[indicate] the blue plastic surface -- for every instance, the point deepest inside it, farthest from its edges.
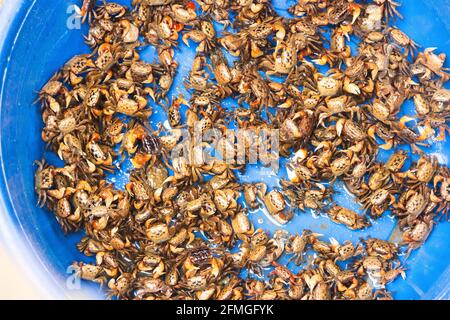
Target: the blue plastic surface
(37, 42)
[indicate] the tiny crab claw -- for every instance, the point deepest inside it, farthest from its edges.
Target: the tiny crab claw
(346, 30)
(392, 274)
(387, 145)
(441, 136)
(287, 104)
(324, 59)
(256, 7)
(404, 120)
(255, 51)
(300, 154)
(280, 31)
(427, 131)
(355, 9)
(371, 132)
(351, 87)
(130, 32)
(340, 126)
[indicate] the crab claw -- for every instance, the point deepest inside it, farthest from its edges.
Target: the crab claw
(346, 29)
(130, 32)
(371, 131)
(104, 48)
(150, 92)
(304, 53)
(321, 119)
(255, 51)
(140, 160)
(57, 193)
(178, 26)
(91, 166)
(310, 164)
(301, 154)
(323, 60)
(434, 198)
(216, 267)
(441, 136)
(321, 145)
(429, 50)
(256, 7)
(412, 82)
(281, 32)
(356, 11)
(351, 87)
(404, 120)
(340, 126)
(181, 100)
(169, 180)
(286, 105)
(322, 188)
(334, 243)
(74, 79)
(357, 147)
(427, 132)
(388, 145)
(185, 39)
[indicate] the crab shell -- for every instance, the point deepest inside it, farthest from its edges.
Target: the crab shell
(328, 86)
(158, 232)
(274, 202)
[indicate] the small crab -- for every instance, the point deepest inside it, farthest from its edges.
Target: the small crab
(434, 64)
(345, 251)
(297, 245)
(252, 192)
(440, 194)
(419, 231)
(348, 217)
(284, 58)
(43, 181)
(276, 206)
(412, 204)
(378, 201)
(381, 248)
(423, 171)
(204, 36)
(400, 38)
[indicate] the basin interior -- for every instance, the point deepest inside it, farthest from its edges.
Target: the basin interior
(40, 41)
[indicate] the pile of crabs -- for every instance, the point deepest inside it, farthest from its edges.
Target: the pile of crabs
(180, 230)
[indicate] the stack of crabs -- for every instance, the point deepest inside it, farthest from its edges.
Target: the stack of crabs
(170, 233)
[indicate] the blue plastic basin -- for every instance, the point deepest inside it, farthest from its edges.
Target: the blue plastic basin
(35, 41)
